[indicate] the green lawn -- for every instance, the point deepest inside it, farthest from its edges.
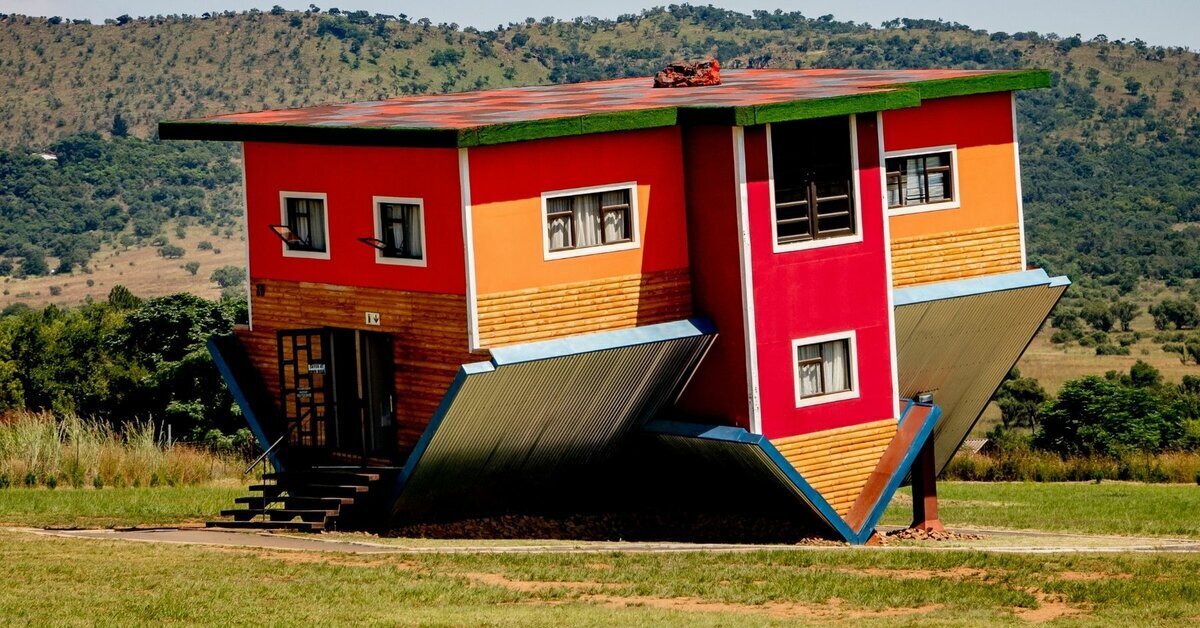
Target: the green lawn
(114, 507)
(55, 581)
(1107, 508)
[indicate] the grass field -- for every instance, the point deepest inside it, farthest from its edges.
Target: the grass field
(1106, 508)
(52, 581)
(116, 507)
(59, 581)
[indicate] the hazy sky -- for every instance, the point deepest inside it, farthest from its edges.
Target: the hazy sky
(1163, 22)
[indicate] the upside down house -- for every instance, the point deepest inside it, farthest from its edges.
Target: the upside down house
(781, 296)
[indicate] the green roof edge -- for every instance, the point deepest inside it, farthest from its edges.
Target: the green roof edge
(1006, 81)
(826, 107)
(564, 127)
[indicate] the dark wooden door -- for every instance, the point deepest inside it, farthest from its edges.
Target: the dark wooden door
(304, 385)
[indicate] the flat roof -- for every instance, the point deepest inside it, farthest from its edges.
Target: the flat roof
(745, 97)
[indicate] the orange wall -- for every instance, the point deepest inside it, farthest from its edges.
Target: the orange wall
(981, 127)
(507, 182)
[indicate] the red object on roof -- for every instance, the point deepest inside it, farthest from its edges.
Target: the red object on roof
(682, 74)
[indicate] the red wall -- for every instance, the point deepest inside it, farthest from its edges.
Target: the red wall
(975, 120)
(718, 390)
(819, 291)
(350, 176)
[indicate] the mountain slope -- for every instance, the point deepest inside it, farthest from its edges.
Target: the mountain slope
(1109, 153)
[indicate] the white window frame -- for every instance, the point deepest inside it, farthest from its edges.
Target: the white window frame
(634, 220)
(852, 338)
(283, 220)
(380, 258)
(956, 192)
(857, 236)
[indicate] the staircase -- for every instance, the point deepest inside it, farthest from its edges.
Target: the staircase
(312, 501)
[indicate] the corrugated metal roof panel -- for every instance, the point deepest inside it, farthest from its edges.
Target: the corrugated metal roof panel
(537, 414)
(959, 339)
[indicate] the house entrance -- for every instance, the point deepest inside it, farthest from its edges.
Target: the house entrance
(337, 388)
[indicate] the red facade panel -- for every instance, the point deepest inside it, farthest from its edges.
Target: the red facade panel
(719, 388)
(350, 176)
(813, 292)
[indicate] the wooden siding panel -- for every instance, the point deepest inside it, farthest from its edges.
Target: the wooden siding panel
(942, 257)
(429, 338)
(838, 462)
(575, 308)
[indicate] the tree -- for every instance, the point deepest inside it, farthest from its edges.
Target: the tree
(1182, 313)
(277, 10)
(34, 264)
(1125, 311)
(192, 267)
(121, 298)
(1020, 400)
(1094, 416)
(1098, 314)
(229, 276)
(1132, 86)
(119, 127)
(171, 251)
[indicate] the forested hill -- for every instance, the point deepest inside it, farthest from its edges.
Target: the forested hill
(1110, 153)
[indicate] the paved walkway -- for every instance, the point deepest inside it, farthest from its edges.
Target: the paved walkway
(1004, 541)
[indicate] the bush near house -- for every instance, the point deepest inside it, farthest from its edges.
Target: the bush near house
(120, 360)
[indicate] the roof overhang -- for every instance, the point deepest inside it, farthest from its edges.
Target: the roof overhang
(959, 339)
(879, 97)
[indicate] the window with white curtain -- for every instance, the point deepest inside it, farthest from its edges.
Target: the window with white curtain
(400, 231)
(306, 220)
(589, 220)
(825, 368)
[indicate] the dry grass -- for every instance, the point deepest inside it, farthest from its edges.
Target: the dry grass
(41, 449)
(1040, 466)
(140, 269)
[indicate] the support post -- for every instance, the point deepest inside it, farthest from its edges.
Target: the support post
(925, 501)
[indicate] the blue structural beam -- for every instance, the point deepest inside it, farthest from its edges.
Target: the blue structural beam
(246, 387)
(757, 460)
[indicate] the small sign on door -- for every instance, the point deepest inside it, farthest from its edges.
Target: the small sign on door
(316, 367)
(372, 318)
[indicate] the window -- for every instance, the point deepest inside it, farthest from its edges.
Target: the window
(812, 170)
(399, 231)
(916, 179)
(305, 225)
(825, 369)
(589, 221)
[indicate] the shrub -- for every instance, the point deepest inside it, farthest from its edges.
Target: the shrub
(1182, 313)
(171, 251)
(1110, 349)
(229, 276)
(1097, 416)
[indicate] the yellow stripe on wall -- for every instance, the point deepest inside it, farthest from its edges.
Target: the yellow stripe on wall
(946, 256)
(838, 462)
(584, 307)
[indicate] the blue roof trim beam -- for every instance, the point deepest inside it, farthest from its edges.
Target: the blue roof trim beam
(974, 286)
(240, 396)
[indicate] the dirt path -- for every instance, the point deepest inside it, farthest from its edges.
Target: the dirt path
(1003, 541)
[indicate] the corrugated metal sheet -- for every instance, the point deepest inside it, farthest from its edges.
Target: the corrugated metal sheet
(959, 339)
(511, 431)
(730, 468)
